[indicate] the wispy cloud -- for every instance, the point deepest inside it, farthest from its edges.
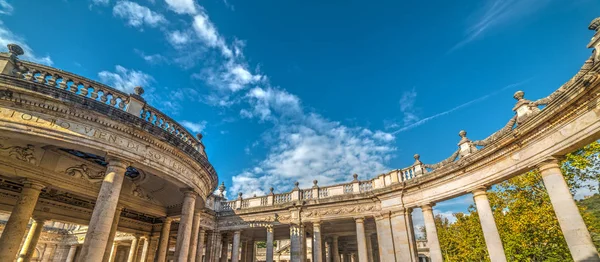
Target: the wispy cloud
(126, 79)
(193, 126)
(137, 15)
(495, 13)
(6, 8)
(479, 99)
(8, 37)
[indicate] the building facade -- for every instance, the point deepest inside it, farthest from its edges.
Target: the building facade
(89, 173)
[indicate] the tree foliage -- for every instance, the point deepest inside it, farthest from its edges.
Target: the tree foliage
(524, 216)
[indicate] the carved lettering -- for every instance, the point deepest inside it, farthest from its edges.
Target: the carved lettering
(93, 132)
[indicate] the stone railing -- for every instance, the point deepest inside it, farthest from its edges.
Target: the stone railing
(316, 192)
(93, 92)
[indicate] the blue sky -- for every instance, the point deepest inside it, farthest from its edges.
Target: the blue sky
(288, 91)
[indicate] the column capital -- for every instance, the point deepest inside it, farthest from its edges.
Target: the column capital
(168, 220)
(360, 220)
(40, 219)
(317, 223)
(479, 191)
(552, 162)
(117, 162)
(428, 206)
(33, 184)
(188, 192)
(382, 215)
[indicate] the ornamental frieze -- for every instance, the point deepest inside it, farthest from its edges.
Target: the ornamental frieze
(84, 172)
(24, 154)
(358, 210)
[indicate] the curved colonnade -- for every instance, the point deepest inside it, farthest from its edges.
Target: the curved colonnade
(76, 151)
(379, 210)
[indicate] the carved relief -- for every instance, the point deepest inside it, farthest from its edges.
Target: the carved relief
(24, 154)
(340, 211)
(138, 191)
(82, 171)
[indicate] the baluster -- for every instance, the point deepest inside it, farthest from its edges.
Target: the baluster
(64, 83)
(84, 91)
(41, 78)
(113, 100)
(29, 75)
(162, 123)
(75, 87)
(52, 80)
(122, 104)
(94, 94)
(104, 97)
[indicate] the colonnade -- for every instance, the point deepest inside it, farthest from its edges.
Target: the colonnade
(99, 244)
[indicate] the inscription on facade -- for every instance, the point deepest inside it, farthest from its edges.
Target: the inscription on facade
(77, 129)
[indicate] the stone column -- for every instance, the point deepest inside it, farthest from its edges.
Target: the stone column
(113, 252)
(48, 254)
(133, 250)
(71, 254)
(163, 242)
(490, 231)
(244, 252)
(209, 246)
(144, 250)
(184, 233)
(369, 247)
(571, 223)
(335, 251)
(400, 235)
(411, 234)
(224, 247)
(200, 245)
(111, 235)
(269, 255)
(384, 237)
(100, 225)
(15, 228)
(249, 251)
(361, 240)
(317, 246)
(194, 236)
(217, 247)
(303, 253)
(235, 248)
(295, 243)
(31, 241)
(152, 248)
(432, 239)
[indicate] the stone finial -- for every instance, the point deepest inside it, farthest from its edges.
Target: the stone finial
(296, 185)
(417, 159)
(519, 95)
(138, 90)
(199, 136)
(222, 188)
(595, 24)
(240, 195)
(271, 191)
(355, 176)
(15, 49)
(315, 182)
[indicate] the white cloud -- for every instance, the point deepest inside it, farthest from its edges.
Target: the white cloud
(8, 37)
(407, 103)
(206, 31)
(264, 101)
(6, 8)
(182, 6)
(137, 15)
(194, 127)
(126, 79)
(151, 59)
(446, 214)
(178, 38)
(494, 13)
(307, 147)
(383, 136)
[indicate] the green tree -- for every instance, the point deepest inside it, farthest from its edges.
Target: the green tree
(524, 216)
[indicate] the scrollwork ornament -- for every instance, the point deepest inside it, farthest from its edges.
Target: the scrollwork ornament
(24, 154)
(82, 171)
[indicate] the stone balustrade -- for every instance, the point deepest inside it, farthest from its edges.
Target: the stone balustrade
(91, 92)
